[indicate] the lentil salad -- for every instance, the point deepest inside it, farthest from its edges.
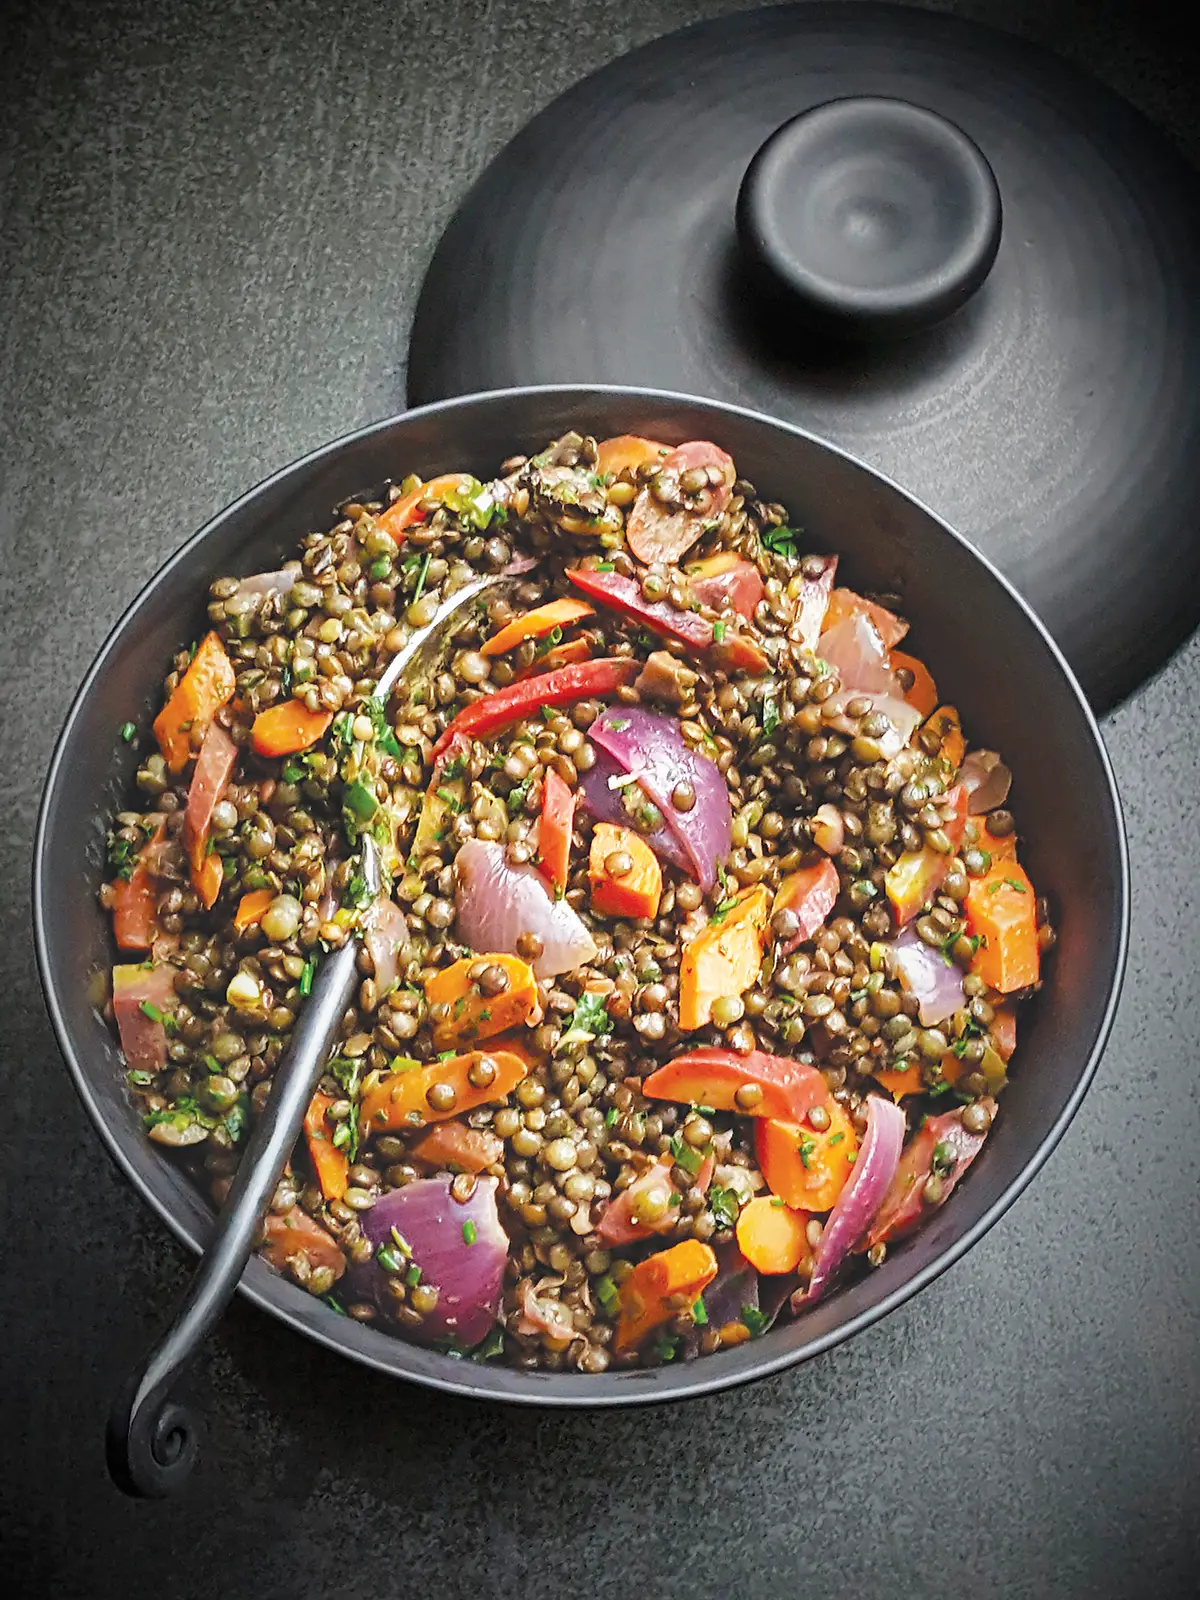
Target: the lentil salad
(697, 983)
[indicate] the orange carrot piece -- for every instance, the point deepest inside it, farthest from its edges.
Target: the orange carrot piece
(205, 687)
(951, 744)
(287, 728)
(845, 603)
(626, 452)
(1000, 849)
(400, 1100)
(923, 695)
(685, 1269)
(725, 958)
(1002, 912)
(771, 1235)
(536, 624)
(554, 830)
(473, 1015)
(331, 1165)
(637, 892)
(135, 901)
(807, 1169)
(251, 907)
(402, 513)
(207, 877)
(899, 1082)
(454, 1146)
(712, 1077)
(296, 1234)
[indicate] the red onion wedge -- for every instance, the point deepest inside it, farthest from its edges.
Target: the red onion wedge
(855, 649)
(498, 902)
(387, 934)
(272, 585)
(650, 746)
(941, 1144)
(459, 1246)
(987, 781)
(618, 1225)
(619, 803)
(904, 719)
(926, 973)
(878, 1158)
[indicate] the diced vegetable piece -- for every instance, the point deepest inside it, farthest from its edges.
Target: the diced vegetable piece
(861, 1198)
(986, 779)
(810, 893)
(932, 977)
(135, 900)
(731, 652)
(400, 1101)
(853, 647)
(331, 1165)
(143, 997)
(1003, 848)
(646, 1207)
(923, 694)
(907, 1080)
(386, 935)
(214, 767)
(251, 907)
(205, 687)
(650, 749)
(295, 1234)
(473, 1014)
(941, 1142)
(655, 532)
(444, 799)
(536, 624)
(845, 603)
(496, 902)
(554, 829)
(402, 513)
(1002, 913)
(915, 878)
(583, 681)
(287, 728)
(725, 958)
(945, 725)
(726, 582)
(649, 1290)
(812, 604)
(626, 452)
(807, 1168)
(727, 1081)
(459, 1246)
(771, 1235)
(1004, 1030)
(460, 1149)
(634, 892)
(566, 654)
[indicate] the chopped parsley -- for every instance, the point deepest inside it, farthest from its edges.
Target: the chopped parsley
(450, 800)
(666, 1349)
(334, 1304)
(128, 732)
(469, 1231)
(306, 977)
(723, 1203)
(604, 566)
(139, 1078)
(492, 1346)
(237, 1118)
(516, 795)
(836, 1139)
(700, 1313)
(757, 1321)
(388, 1259)
(607, 1293)
(359, 801)
(356, 894)
(610, 1116)
(589, 1020)
(718, 632)
(780, 541)
(413, 1276)
(375, 709)
(422, 575)
(770, 713)
(944, 1159)
(806, 1148)
(292, 772)
(684, 1156)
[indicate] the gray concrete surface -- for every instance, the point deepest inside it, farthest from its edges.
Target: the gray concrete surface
(213, 223)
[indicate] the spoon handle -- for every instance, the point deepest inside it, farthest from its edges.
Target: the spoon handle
(152, 1439)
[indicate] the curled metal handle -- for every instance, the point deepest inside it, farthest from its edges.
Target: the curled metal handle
(152, 1439)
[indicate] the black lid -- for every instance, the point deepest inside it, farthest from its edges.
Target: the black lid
(1048, 407)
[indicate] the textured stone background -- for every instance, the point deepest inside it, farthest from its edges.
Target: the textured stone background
(213, 222)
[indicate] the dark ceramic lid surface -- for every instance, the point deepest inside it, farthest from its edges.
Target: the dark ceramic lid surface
(1048, 406)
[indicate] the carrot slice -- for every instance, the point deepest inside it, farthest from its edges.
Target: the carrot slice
(1002, 913)
(805, 1167)
(296, 1234)
(135, 901)
(626, 452)
(401, 1099)
(771, 1235)
(287, 728)
(923, 696)
(951, 746)
(473, 1015)
(251, 907)
(725, 958)
(635, 893)
(536, 624)
(787, 1089)
(205, 687)
(455, 1146)
(554, 830)
(402, 513)
(844, 603)
(684, 1270)
(331, 1165)
(901, 1081)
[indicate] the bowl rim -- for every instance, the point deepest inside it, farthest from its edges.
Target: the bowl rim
(466, 1379)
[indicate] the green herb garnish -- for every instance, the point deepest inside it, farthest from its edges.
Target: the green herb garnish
(944, 1159)
(700, 1313)
(422, 575)
(806, 1148)
(590, 1018)
(516, 795)
(469, 1231)
(359, 801)
(770, 713)
(610, 1116)
(781, 541)
(128, 732)
(356, 894)
(607, 1293)
(684, 1156)
(306, 977)
(723, 1203)
(413, 1276)
(757, 1321)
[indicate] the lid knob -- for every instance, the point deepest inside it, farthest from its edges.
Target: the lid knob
(877, 218)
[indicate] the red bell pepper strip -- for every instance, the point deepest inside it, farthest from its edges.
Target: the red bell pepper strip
(554, 830)
(731, 651)
(560, 688)
(135, 901)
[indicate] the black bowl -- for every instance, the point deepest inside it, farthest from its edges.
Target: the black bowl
(985, 647)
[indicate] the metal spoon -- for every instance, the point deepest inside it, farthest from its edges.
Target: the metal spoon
(152, 1437)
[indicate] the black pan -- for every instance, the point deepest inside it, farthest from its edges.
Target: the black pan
(985, 647)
